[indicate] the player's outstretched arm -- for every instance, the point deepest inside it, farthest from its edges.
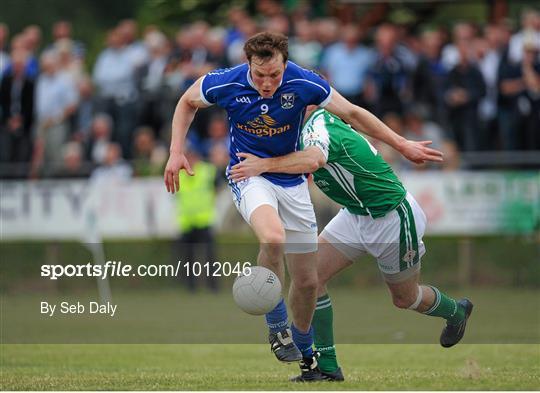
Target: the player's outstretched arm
(305, 161)
(363, 120)
(183, 116)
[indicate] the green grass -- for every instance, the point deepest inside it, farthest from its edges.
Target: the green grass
(379, 347)
(251, 367)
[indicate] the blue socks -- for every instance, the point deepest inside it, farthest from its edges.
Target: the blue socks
(304, 341)
(277, 318)
(277, 321)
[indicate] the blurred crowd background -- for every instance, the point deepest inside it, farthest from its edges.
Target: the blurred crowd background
(470, 86)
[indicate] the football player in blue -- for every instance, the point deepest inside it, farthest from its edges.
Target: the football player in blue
(266, 100)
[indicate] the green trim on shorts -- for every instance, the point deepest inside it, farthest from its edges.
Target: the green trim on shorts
(408, 240)
(402, 238)
(414, 236)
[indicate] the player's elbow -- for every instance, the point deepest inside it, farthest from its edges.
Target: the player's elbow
(187, 103)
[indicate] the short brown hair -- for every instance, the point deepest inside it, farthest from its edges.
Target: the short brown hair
(265, 45)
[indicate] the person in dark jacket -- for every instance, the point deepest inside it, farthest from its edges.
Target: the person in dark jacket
(531, 77)
(16, 109)
(465, 87)
(386, 87)
(430, 76)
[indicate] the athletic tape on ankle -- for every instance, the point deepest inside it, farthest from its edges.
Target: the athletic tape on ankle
(418, 300)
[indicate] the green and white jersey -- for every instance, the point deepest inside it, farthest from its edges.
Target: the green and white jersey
(355, 174)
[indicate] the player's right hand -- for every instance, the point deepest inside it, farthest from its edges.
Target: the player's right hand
(419, 152)
(175, 163)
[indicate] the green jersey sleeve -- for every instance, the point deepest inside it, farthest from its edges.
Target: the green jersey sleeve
(315, 133)
(355, 174)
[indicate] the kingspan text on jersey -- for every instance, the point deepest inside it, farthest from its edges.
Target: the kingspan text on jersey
(264, 131)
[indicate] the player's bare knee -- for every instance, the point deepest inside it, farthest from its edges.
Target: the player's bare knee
(273, 239)
(306, 284)
(272, 243)
(403, 300)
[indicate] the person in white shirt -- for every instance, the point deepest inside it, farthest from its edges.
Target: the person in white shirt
(114, 170)
(114, 78)
(462, 31)
(530, 30)
(114, 71)
(136, 49)
(55, 101)
(347, 62)
(489, 52)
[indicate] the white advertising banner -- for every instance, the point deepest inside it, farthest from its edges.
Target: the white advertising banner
(456, 203)
(86, 211)
(477, 203)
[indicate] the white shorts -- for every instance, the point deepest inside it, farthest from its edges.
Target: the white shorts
(395, 239)
(293, 205)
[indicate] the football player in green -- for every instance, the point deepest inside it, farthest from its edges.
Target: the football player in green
(379, 218)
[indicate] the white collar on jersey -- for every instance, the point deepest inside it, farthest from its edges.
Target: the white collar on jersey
(253, 85)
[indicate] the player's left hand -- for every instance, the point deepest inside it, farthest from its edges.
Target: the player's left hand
(250, 166)
(419, 152)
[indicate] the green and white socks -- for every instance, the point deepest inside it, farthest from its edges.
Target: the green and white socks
(323, 325)
(446, 307)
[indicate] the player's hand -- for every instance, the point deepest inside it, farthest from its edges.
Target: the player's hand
(419, 152)
(250, 166)
(172, 170)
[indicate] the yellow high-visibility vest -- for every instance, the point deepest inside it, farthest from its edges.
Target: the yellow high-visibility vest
(196, 199)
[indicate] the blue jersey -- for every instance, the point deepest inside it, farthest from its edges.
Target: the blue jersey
(265, 127)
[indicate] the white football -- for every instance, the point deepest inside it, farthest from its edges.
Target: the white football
(258, 292)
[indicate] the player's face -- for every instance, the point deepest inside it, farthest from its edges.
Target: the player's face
(266, 75)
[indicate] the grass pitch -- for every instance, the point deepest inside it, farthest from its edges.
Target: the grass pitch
(252, 367)
(361, 316)
(405, 362)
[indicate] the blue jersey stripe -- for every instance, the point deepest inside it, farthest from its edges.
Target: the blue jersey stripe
(305, 80)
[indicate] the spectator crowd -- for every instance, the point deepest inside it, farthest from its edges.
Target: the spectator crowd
(471, 88)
